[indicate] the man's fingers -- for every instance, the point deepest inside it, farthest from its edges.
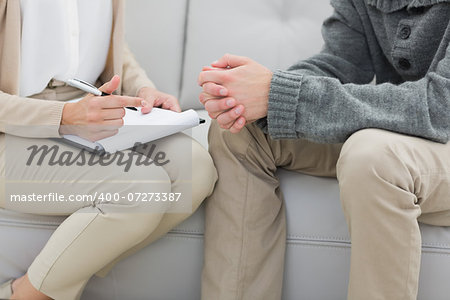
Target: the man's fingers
(229, 60)
(209, 68)
(230, 116)
(238, 125)
(204, 97)
(215, 89)
(119, 101)
(220, 105)
(212, 76)
(111, 86)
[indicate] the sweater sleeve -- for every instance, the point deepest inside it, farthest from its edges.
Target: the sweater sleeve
(30, 118)
(327, 98)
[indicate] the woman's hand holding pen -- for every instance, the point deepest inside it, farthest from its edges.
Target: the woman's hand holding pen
(95, 117)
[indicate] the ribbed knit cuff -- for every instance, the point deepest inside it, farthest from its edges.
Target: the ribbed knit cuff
(283, 103)
(49, 120)
(44, 122)
(55, 116)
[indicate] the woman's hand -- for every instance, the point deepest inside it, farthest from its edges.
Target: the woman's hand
(94, 117)
(154, 98)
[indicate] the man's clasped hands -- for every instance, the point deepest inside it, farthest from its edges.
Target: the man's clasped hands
(235, 91)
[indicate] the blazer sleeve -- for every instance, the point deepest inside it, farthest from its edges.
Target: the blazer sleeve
(133, 77)
(31, 118)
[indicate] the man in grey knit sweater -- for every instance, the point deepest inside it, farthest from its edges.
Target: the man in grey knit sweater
(386, 143)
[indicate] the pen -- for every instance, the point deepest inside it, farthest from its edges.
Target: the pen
(89, 88)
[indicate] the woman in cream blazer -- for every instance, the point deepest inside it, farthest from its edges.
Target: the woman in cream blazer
(94, 237)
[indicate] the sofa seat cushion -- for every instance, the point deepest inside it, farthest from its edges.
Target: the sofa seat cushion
(317, 232)
(313, 214)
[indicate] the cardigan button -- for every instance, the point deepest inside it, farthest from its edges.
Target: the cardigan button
(404, 64)
(405, 32)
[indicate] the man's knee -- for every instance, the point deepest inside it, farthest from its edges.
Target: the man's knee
(371, 158)
(223, 143)
(369, 151)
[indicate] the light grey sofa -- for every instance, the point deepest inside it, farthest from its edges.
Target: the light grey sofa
(173, 40)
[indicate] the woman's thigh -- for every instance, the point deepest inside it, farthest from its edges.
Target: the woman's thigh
(189, 167)
(47, 177)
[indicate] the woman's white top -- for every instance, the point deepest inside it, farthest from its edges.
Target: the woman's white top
(63, 39)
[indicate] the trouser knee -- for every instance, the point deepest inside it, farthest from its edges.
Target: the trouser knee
(370, 161)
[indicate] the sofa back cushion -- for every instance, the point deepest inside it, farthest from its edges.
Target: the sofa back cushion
(155, 31)
(174, 39)
(273, 32)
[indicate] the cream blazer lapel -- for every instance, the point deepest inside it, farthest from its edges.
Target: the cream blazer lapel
(17, 110)
(10, 35)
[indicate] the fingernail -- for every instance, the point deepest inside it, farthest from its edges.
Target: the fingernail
(240, 122)
(238, 111)
(223, 92)
(230, 103)
(144, 103)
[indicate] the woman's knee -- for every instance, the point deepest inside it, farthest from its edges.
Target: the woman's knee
(137, 226)
(190, 169)
(140, 190)
(204, 173)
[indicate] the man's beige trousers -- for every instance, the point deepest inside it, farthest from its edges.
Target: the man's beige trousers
(94, 237)
(388, 183)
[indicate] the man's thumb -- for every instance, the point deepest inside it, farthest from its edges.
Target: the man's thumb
(111, 86)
